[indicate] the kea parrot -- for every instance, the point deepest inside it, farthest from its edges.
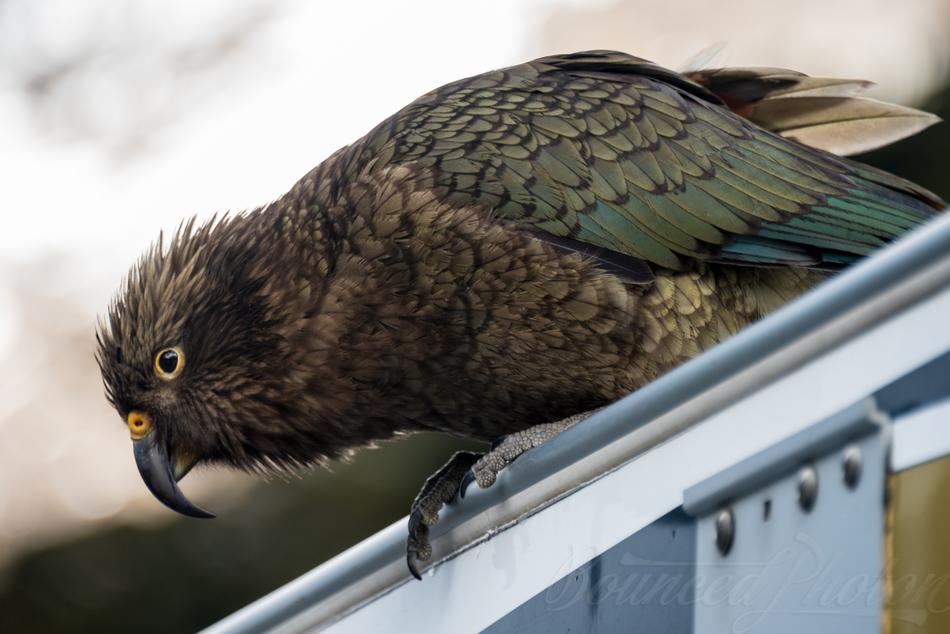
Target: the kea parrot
(498, 259)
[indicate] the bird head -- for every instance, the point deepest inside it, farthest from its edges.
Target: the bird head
(191, 358)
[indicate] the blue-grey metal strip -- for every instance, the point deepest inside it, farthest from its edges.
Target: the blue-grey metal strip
(921, 249)
(778, 460)
(923, 386)
(646, 583)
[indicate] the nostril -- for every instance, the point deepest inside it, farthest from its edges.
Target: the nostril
(139, 423)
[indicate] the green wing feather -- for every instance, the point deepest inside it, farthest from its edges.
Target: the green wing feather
(605, 149)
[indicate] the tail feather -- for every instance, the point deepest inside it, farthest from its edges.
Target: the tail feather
(822, 112)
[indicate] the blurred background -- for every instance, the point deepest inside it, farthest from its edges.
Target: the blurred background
(119, 119)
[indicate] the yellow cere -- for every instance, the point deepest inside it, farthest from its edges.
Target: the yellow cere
(139, 424)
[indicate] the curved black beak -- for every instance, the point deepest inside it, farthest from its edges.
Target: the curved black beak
(161, 476)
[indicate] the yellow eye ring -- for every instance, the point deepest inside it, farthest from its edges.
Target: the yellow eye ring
(139, 424)
(169, 362)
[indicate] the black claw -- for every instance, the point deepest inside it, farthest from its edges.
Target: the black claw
(411, 563)
(467, 480)
(417, 532)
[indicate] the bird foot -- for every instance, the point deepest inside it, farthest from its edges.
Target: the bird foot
(463, 468)
(439, 489)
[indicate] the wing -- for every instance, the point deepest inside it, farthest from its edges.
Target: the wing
(605, 150)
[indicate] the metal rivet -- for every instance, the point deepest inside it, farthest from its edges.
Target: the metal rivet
(807, 488)
(852, 466)
(725, 531)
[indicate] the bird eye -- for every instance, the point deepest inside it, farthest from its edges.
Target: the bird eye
(169, 363)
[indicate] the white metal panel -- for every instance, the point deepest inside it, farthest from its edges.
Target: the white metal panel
(921, 436)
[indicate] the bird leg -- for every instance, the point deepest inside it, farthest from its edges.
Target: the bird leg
(486, 469)
(463, 468)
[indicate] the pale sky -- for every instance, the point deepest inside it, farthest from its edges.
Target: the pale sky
(319, 78)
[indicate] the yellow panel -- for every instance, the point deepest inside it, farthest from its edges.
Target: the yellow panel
(918, 550)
